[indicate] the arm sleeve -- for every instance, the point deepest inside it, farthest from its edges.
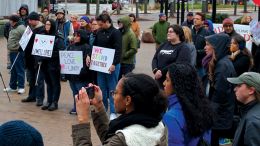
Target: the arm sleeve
(184, 54)
(117, 45)
(252, 136)
(155, 59)
(81, 135)
(133, 47)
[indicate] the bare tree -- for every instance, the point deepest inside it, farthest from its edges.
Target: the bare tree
(145, 6)
(118, 7)
(245, 6)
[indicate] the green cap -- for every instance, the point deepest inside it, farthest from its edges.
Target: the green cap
(252, 79)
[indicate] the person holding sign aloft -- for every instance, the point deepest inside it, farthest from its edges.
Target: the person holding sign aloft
(17, 78)
(83, 78)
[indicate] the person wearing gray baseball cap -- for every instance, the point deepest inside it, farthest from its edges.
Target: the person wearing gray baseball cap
(248, 93)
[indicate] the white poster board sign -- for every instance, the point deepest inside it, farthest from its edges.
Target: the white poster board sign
(25, 37)
(243, 30)
(255, 30)
(43, 45)
(101, 59)
(71, 62)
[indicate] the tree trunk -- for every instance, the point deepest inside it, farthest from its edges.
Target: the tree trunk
(97, 7)
(245, 6)
(87, 7)
(145, 6)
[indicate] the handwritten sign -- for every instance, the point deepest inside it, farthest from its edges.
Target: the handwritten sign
(25, 37)
(243, 30)
(71, 62)
(43, 45)
(101, 59)
(255, 30)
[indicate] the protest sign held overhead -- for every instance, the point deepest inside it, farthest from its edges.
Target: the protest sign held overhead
(71, 62)
(26, 37)
(43, 45)
(255, 30)
(101, 59)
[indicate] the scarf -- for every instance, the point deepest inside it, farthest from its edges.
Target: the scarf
(206, 60)
(126, 120)
(234, 54)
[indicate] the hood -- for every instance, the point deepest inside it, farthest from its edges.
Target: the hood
(221, 43)
(53, 27)
(84, 39)
(26, 7)
(210, 24)
(126, 22)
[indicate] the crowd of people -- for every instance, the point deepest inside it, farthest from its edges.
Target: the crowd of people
(202, 81)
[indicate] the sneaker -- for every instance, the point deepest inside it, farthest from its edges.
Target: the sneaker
(46, 106)
(224, 141)
(8, 89)
(39, 102)
(21, 91)
(112, 116)
(73, 112)
(53, 107)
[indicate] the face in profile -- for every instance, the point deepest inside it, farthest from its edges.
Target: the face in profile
(119, 99)
(168, 88)
(242, 92)
(94, 26)
(198, 20)
(233, 46)
(208, 48)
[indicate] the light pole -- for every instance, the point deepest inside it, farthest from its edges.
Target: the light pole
(214, 3)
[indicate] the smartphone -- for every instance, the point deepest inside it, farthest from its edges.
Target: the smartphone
(91, 92)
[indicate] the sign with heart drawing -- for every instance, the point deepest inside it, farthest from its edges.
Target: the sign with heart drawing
(43, 45)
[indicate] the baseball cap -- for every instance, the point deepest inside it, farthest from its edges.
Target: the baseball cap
(252, 79)
(161, 15)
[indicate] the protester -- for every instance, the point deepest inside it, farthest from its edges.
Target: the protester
(189, 117)
(141, 104)
(42, 19)
(23, 13)
(85, 23)
(46, 13)
(188, 40)
(51, 68)
(129, 46)
(172, 51)
(198, 36)
(17, 77)
(189, 22)
(32, 66)
(218, 90)
(94, 29)
(256, 57)
(248, 93)
(228, 26)
(109, 37)
(240, 57)
(246, 19)
(160, 30)
(74, 22)
(83, 78)
(19, 133)
(208, 25)
(135, 26)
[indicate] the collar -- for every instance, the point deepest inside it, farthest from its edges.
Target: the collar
(245, 108)
(172, 99)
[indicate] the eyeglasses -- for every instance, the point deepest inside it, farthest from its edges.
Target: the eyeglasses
(48, 24)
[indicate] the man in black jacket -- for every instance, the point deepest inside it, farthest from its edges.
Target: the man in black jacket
(109, 37)
(248, 93)
(31, 64)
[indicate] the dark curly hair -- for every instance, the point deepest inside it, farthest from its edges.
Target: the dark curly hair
(195, 105)
(179, 31)
(146, 95)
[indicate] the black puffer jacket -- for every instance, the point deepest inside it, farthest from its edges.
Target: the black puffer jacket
(221, 92)
(83, 46)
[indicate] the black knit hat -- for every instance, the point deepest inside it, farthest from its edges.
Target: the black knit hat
(34, 16)
(19, 133)
(14, 18)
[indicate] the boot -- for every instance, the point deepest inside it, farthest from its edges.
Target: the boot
(29, 99)
(54, 106)
(39, 102)
(46, 106)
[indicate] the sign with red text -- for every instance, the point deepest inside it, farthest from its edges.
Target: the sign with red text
(43, 45)
(25, 37)
(71, 62)
(255, 30)
(243, 30)
(101, 59)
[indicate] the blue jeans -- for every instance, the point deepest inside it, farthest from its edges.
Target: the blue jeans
(107, 83)
(17, 73)
(125, 69)
(75, 87)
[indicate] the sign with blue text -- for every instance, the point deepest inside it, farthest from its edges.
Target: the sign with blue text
(71, 62)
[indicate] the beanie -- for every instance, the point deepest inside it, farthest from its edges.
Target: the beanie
(227, 21)
(60, 11)
(34, 16)
(19, 133)
(14, 18)
(85, 18)
(161, 15)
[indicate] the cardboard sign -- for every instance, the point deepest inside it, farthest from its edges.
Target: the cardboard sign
(255, 30)
(101, 59)
(243, 30)
(43, 45)
(25, 37)
(71, 62)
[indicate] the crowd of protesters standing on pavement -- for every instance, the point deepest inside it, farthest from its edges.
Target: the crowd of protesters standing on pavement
(201, 80)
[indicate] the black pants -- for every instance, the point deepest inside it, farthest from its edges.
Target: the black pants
(35, 91)
(124, 69)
